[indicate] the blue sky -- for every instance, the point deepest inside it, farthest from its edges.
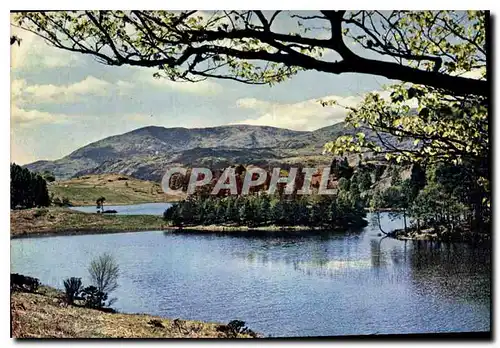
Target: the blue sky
(61, 101)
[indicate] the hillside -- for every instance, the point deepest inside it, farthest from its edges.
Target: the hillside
(117, 189)
(45, 315)
(145, 153)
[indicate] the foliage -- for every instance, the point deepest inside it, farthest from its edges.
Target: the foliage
(442, 195)
(443, 128)
(94, 298)
(27, 189)
(72, 288)
(341, 169)
(21, 282)
(423, 47)
(100, 204)
(234, 328)
(263, 210)
(104, 272)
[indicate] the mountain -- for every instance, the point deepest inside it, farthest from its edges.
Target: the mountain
(146, 152)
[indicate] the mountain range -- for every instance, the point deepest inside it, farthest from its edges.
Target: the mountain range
(145, 153)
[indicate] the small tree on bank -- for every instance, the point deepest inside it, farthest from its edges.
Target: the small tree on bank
(104, 272)
(100, 204)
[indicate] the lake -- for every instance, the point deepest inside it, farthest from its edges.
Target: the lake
(331, 284)
(135, 209)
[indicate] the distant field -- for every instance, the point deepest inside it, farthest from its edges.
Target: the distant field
(47, 221)
(117, 189)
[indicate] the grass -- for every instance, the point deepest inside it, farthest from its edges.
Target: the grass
(46, 221)
(117, 189)
(45, 315)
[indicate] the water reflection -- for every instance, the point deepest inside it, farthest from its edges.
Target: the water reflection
(287, 285)
(432, 268)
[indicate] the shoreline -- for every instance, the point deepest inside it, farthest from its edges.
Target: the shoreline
(188, 230)
(79, 232)
(433, 236)
(45, 314)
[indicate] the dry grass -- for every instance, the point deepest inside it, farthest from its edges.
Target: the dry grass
(44, 315)
(43, 221)
(116, 188)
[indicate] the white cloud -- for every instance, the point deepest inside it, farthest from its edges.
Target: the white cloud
(27, 118)
(305, 115)
(35, 54)
(60, 93)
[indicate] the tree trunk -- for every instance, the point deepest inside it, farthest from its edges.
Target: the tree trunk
(379, 225)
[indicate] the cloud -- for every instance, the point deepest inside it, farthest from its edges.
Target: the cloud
(50, 93)
(35, 54)
(27, 118)
(305, 115)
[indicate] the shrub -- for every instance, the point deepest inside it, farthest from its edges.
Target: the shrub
(23, 283)
(72, 287)
(235, 327)
(94, 298)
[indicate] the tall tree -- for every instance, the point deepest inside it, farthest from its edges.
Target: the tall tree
(27, 189)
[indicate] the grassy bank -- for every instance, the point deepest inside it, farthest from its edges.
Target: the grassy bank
(441, 235)
(45, 315)
(239, 228)
(53, 221)
(64, 221)
(117, 189)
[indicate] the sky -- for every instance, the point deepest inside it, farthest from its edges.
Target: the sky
(61, 101)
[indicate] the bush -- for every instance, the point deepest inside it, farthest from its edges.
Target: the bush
(20, 282)
(235, 327)
(94, 298)
(72, 287)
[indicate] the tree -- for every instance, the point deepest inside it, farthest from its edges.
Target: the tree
(72, 287)
(365, 181)
(104, 272)
(417, 180)
(424, 47)
(376, 203)
(100, 204)
(27, 189)
(396, 176)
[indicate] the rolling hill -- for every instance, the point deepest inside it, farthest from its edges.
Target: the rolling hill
(145, 153)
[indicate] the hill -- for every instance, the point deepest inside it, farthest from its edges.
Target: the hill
(145, 153)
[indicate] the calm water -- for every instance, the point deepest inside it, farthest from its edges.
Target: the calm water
(337, 284)
(136, 209)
